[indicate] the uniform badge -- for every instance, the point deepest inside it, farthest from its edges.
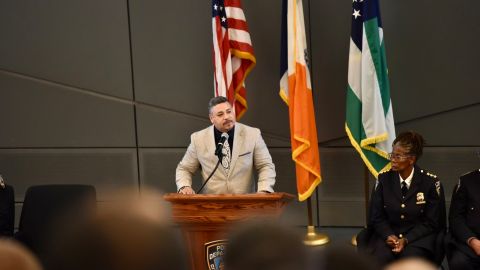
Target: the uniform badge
(215, 251)
(420, 198)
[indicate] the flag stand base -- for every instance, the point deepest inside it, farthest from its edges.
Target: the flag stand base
(354, 240)
(315, 239)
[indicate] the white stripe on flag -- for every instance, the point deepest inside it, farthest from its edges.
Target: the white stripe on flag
(373, 118)
(239, 35)
(235, 13)
(355, 69)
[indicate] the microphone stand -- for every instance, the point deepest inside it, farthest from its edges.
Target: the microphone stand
(211, 174)
(219, 154)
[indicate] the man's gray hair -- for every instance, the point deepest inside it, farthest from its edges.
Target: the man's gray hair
(215, 101)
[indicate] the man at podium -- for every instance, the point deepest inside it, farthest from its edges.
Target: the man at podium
(237, 147)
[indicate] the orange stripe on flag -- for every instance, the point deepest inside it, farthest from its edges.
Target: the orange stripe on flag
(303, 133)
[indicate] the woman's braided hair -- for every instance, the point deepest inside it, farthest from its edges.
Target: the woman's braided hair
(412, 141)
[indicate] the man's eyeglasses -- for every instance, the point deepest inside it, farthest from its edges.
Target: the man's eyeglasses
(392, 156)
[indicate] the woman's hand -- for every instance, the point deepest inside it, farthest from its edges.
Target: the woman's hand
(400, 246)
(392, 241)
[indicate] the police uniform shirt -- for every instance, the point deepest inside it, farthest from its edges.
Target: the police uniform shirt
(465, 211)
(408, 180)
(416, 216)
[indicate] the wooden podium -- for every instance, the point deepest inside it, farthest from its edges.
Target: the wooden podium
(205, 218)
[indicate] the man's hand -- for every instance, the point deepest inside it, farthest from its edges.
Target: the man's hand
(475, 245)
(400, 246)
(186, 190)
(392, 241)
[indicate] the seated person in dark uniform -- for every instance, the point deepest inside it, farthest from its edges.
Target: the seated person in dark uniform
(465, 223)
(405, 207)
(7, 210)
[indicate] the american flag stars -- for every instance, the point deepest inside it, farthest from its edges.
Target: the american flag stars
(219, 11)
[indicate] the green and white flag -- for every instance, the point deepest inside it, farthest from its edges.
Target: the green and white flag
(369, 119)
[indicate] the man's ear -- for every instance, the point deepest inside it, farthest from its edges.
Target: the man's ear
(210, 116)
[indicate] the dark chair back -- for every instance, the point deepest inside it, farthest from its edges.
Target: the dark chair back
(7, 211)
(44, 208)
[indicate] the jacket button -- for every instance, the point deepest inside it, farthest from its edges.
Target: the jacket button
(403, 205)
(400, 235)
(402, 216)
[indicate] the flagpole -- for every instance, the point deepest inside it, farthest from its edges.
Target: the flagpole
(366, 192)
(312, 238)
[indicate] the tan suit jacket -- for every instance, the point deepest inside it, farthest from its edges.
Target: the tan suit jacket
(249, 151)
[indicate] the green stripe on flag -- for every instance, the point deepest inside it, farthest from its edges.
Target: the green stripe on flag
(356, 134)
(377, 51)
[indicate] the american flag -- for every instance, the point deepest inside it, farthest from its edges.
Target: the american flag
(233, 56)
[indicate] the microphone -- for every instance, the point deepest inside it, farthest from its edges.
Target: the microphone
(218, 150)
(219, 154)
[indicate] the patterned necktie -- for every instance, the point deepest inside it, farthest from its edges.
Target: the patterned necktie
(404, 188)
(226, 156)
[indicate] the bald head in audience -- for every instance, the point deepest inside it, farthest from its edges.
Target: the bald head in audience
(411, 264)
(14, 256)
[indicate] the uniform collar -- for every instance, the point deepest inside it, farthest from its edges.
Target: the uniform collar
(408, 180)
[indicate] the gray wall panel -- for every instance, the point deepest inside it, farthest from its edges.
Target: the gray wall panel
(80, 43)
(163, 128)
(40, 114)
(106, 169)
(455, 128)
(431, 68)
(330, 34)
(266, 110)
(448, 163)
(157, 168)
(172, 53)
(442, 129)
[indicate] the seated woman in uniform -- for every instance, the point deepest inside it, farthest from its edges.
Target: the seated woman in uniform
(465, 224)
(406, 205)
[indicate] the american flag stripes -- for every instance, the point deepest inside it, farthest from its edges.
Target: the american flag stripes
(233, 56)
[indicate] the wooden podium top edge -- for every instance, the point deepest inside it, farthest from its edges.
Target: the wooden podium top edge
(176, 197)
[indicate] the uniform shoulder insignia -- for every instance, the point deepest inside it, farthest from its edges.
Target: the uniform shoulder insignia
(435, 180)
(430, 174)
(2, 183)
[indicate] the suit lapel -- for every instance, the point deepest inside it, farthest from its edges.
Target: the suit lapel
(238, 139)
(210, 141)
